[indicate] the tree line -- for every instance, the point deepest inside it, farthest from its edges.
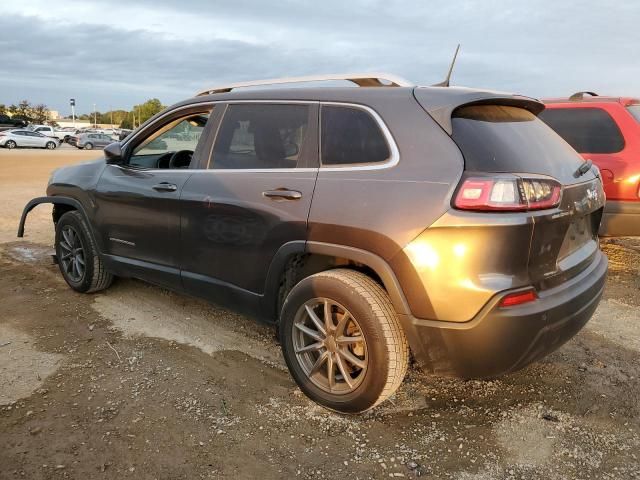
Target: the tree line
(40, 114)
(32, 113)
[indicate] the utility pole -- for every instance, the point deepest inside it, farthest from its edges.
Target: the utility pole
(72, 102)
(95, 123)
(111, 111)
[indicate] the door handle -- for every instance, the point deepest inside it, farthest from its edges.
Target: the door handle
(283, 194)
(165, 187)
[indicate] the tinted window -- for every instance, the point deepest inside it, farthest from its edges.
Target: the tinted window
(635, 111)
(588, 130)
(495, 138)
(261, 136)
(351, 136)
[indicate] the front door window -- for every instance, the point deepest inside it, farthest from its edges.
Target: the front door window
(172, 145)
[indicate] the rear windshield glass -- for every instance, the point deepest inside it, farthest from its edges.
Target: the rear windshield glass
(635, 111)
(497, 138)
(588, 130)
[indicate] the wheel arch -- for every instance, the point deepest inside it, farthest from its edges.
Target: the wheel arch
(299, 259)
(61, 205)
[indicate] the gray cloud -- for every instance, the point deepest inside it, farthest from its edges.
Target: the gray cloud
(538, 48)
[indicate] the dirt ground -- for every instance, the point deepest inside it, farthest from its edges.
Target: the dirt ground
(138, 382)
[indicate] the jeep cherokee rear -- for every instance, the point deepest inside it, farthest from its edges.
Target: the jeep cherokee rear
(362, 221)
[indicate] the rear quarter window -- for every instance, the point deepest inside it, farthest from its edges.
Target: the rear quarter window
(351, 136)
(588, 130)
(634, 110)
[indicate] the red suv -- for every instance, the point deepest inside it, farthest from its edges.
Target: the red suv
(607, 131)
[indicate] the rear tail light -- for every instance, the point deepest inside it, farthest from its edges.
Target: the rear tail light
(518, 298)
(507, 193)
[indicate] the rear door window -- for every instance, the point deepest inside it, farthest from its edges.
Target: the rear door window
(351, 136)
(261, 136)
(499, 138)
(588, 130)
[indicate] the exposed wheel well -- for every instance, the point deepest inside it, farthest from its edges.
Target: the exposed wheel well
(60, 209)
(302, 265)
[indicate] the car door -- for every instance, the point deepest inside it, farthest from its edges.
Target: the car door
(137, 202)
(34, 139)
(253, 198)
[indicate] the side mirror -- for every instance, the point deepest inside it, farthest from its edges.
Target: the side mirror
(113, 153)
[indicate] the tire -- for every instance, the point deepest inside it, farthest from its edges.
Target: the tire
(371, 350)
(10, 144)
(51, 146)
(88, 146)
(74, 240)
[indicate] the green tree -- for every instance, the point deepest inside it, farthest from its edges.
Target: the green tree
(3, 109)
(24, 110)
(39, 113)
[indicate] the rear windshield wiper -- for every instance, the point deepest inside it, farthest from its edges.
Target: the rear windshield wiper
(584, 168)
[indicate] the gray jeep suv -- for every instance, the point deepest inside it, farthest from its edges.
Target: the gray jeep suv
(368, 224)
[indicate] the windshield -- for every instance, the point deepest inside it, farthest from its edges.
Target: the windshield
(635, 111)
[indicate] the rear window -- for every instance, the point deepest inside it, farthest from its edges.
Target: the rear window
(259, 136)
(635, 111)
(588, 130)
(497, 138)
(351, 136)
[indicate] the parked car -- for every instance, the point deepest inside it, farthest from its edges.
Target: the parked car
(26, 138)
(364, 223)
(605, 130)
(7, 122)
(50, 131)
(89, 141)
(124, 133)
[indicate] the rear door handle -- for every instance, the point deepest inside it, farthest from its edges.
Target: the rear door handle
(283, 194)
(165, 187)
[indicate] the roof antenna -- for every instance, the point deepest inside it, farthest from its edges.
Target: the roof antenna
(447, 80)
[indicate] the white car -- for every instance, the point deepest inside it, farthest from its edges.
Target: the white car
(50, 131)
(26, 138)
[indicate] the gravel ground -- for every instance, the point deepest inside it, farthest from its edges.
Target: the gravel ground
(139, 382)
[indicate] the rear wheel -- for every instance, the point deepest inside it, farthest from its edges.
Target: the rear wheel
(342, 341)
(88, 146)
(78, 258)
(10, 144)
(51, 145)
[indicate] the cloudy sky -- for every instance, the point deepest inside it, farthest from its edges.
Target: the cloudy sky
(116, 53)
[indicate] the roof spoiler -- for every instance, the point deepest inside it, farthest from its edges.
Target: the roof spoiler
(440, 107)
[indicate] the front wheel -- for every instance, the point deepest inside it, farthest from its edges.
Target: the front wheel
(88, 146)
(78, 258)
(51, 145)
(342, 340)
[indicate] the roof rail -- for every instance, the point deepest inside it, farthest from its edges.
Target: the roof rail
(360, 79)
(580, 95)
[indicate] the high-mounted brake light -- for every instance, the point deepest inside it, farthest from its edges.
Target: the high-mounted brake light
(513, 194)
(518, 298)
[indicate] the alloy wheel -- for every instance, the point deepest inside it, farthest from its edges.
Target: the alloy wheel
(330, 346)
(72, 254)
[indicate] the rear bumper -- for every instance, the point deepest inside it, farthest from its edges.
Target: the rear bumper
(501, 340)
(620, 219)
